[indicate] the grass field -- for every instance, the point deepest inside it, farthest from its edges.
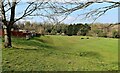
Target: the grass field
(61, 53)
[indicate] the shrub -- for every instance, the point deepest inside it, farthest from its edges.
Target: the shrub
(87, 38)
(78, 33)
(102, 34)
(53, 32)
(82, 38)
(38, 35)
(115, 34)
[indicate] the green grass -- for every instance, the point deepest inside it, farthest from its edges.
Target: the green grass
(61, 53)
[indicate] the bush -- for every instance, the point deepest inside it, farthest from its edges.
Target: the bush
(2, 39)
(70, 30)
(38, 35)
(78, 33)
(53, 32)
(82, 38)
(102, 34)
(87, 38)
(115, 34)
(69, 34)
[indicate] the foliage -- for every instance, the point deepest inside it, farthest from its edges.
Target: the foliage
(53, 32)
(70, 30)
(115, 34)
(98, 30)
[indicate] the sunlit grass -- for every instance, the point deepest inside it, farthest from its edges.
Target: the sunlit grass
(61, 53)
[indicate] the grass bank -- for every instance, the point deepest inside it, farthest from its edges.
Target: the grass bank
(61, 53)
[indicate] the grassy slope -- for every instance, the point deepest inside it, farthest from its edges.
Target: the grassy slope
(61, 53)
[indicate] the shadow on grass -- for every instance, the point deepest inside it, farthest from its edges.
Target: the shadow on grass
(24, 48)
(34, 44)
(41, 40)
(47, 40)
(89, 54)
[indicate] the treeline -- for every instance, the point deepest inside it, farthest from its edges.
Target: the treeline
(79, 29)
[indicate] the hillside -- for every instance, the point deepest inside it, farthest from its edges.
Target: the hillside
(61, 53)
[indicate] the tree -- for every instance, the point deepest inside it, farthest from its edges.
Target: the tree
(68, 7)
(92, 13)
(27, 25)
(115, 34)
(41, 9)
(84, 30)
(70, 30)
(9, 15)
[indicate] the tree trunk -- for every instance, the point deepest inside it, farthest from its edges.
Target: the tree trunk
(7, 32)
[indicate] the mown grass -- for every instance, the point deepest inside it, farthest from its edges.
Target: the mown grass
(61, 53)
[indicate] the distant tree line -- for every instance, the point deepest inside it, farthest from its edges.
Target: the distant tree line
(79, 29)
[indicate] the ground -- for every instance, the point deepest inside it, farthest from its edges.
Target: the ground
(61, 53)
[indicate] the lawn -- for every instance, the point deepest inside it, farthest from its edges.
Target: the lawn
(61, 53)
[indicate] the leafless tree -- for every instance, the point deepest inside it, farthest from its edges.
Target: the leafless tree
(70, 7)
(9, 15)
(48, 9)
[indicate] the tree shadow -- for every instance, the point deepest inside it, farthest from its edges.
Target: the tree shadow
(89, 54)
(47, 41)
(24, 48)
(34, 44)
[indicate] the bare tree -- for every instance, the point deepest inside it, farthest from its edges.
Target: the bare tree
(68, 7)
(48, 9)
(9, 15)
(72, 6)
